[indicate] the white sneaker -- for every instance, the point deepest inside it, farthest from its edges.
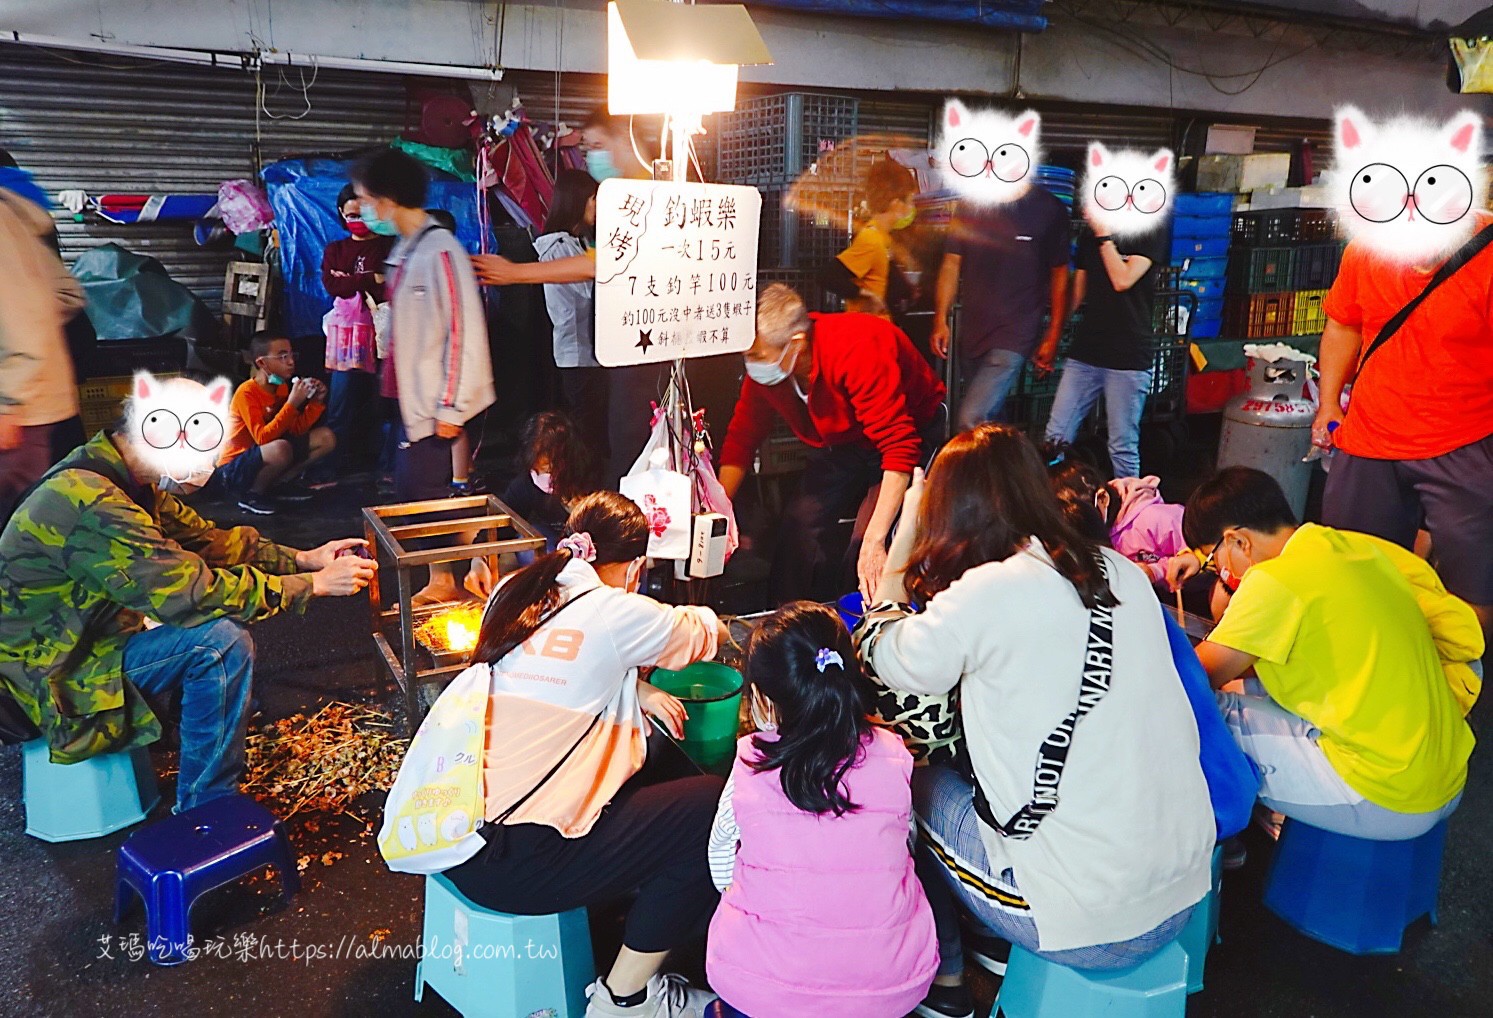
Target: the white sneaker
(669, 996)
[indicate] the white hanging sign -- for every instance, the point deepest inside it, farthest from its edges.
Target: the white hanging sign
(676, 270)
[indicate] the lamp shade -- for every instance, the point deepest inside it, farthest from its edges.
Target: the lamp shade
(677, 58)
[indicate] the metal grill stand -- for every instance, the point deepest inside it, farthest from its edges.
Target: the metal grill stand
(387, 529)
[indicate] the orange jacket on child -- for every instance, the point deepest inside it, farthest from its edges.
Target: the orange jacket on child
(258, 416)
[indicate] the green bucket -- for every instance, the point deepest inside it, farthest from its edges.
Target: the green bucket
(712, 695)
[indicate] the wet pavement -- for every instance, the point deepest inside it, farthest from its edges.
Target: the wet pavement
(337, 948)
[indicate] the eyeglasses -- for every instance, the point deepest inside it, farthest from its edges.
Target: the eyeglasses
(1209, 561)
(288, 355)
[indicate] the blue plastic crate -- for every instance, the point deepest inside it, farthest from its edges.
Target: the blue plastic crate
(1206, 289)
(1204, 203)
(1203, 226)
(1212, 307)
(1198, 247)
(1205, 328)
(1205, 268)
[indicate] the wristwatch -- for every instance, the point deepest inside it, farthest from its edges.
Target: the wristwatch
(1103, 239)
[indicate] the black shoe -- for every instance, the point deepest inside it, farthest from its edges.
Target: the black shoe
(990, 953)
(257, 504)
(1234, 853)
(947, 1002)
(296, 492)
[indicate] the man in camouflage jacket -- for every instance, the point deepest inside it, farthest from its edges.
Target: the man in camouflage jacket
(91, 561)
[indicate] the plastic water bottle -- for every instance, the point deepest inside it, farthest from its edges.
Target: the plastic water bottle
(1318, 453)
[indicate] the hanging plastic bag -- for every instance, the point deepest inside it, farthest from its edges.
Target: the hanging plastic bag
(243, 206)
(665, 498)
(709, 496)
(380, 313)
(713, 499)
(436, 805)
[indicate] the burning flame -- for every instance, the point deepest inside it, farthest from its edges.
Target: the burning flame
(460, 636)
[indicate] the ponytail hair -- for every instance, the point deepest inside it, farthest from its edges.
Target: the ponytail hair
(619, 532)
(801, 659)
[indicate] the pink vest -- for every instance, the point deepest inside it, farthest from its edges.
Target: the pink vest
(824, 915)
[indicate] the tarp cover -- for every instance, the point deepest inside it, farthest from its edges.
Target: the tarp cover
(303, 193)
(1019, 15)
(130, 296)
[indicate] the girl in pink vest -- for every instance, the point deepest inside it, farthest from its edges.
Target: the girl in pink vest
(821, 912)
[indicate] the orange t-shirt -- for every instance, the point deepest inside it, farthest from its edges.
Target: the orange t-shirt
(1429, 389)
(258, 416)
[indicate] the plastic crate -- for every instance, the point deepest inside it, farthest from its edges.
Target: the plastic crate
(1172, 312)
(1309, 315)
(782, 453)
(1206, 327)
(1262, 269)
(1316, 266)
(1212, 307)
(1167, 399)
(782, 134)
(1204, 204)
(1274, 227)
(1198, 247)
(1316, 225)
(1203, 289)
(1205, 268)
(807, 234)
(100, 400)
(1259, 315)
(1202, 226)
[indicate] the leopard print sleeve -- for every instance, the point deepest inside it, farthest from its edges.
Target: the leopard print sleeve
(927, 725)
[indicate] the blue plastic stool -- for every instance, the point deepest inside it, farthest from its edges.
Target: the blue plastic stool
(720, 1009)
(851, 608)
(88, 799)
(1350, 893)
(1201, 931)
(1035, 988)
(489, 964)
(173, 862)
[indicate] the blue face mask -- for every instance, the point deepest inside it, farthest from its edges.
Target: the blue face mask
(382, 227)
(276, 380)
(599, 164)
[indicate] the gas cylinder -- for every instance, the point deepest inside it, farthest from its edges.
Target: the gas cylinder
(1270, 426)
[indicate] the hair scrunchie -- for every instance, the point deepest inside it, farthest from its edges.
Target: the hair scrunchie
(579, 545)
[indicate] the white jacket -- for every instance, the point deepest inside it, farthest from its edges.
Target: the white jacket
(1131, 840)
(37, 298)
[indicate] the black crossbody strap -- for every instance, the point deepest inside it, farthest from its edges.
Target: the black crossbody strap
(1454, 264)
(1052, 754)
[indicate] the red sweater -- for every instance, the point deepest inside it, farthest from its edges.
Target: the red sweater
(869, 386)
(358, 261)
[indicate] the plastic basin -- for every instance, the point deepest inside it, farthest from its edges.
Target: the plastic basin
(850, 608)
(712, 695)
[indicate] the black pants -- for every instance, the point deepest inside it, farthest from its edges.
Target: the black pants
(650, 839)
(809, 562)
(586, 402)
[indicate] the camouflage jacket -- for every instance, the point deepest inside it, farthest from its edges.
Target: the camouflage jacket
(86, 557)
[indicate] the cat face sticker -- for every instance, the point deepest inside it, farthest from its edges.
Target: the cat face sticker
(176, 426)
(1128, 193)
(989, 157)
(1407, 188)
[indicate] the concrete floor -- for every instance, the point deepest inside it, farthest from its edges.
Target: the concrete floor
(68, 959)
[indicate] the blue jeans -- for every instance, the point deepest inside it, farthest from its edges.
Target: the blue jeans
(1124, 399)
(213, 666)
(350, 408)
(987, 383)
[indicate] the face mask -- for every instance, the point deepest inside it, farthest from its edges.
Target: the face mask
(635, 577)
(358, 228)
(376, 225)
(544, 482)
(1227, 576)
(192, 483)
(769, 373)
(905, 221)
(599, 164)
(275, 379)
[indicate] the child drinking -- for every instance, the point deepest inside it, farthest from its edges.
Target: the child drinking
(821, 912)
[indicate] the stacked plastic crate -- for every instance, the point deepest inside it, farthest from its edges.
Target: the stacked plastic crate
(1283, 262)
(1201, 224)
(775, 143)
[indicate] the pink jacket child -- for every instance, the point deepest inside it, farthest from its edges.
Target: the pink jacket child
(1144, 529)
(823, 915)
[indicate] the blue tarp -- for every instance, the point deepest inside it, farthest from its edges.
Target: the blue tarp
(1019, 15)
(303, 193)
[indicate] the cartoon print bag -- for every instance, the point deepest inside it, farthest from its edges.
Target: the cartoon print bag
(435, 807)
(658, 495)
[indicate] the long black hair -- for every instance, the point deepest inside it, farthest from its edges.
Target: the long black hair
(616, 527)
(573, 188)
(823, 720)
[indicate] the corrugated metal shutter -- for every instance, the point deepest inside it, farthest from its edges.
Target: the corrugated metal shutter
(108, 124)
(1067, 129)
